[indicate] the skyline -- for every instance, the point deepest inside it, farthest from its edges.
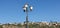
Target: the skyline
(43, 10)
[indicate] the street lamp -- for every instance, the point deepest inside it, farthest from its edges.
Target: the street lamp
(25, 8)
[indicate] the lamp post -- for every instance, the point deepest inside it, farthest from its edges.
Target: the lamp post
(25, 9)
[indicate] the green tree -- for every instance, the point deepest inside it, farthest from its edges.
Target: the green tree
(19, 25)
(51, 27)
(34, 26)
(1, 26)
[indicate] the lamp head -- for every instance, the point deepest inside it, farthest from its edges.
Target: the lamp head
(31, 8)
(24, 8)
(26, 5)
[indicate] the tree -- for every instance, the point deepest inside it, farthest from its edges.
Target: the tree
(1, 26)
(51, 27)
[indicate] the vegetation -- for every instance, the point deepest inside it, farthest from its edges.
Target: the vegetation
(1, 26)
(35, 25)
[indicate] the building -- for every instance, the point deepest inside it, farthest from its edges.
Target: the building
(9, 26)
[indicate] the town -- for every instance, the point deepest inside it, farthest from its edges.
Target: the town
(32, 25)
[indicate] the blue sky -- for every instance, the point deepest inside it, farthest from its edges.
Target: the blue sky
(43, 10)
